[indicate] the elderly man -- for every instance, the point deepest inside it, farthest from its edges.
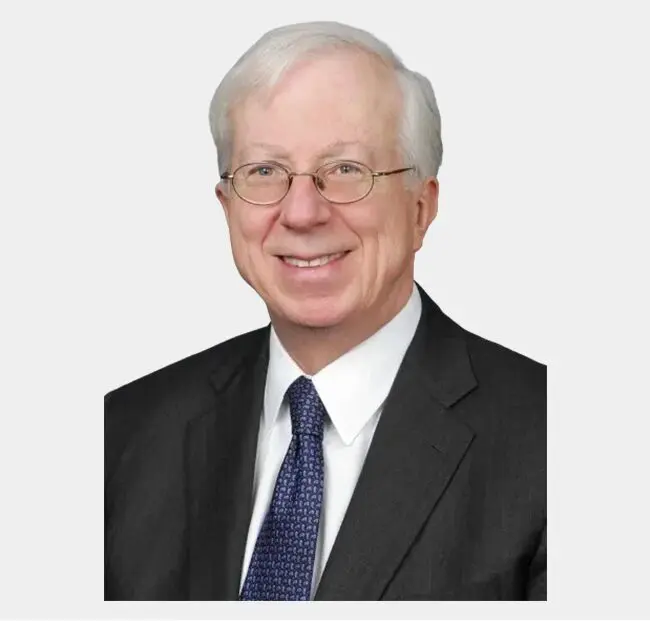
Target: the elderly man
(363, 446)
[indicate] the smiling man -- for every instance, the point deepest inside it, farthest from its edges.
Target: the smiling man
(362, 446)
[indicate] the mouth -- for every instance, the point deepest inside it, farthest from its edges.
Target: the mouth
(318, 261)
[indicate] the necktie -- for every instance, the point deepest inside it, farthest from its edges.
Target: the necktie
(282, 563)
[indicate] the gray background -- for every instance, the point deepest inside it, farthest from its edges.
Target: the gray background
(111, 238)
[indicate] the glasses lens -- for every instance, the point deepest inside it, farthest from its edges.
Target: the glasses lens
(345, 182)
(262, 184)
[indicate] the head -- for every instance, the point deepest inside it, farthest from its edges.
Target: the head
(304, 96)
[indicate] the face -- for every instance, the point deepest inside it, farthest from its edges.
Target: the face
(339, 106)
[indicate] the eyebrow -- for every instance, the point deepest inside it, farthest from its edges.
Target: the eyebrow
(331, 150)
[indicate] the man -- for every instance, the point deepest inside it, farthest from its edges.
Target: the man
(363, 446)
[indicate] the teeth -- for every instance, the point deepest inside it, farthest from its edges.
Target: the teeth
(314, 262)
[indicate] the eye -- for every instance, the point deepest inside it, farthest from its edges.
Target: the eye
(345, 169)
(262, 171)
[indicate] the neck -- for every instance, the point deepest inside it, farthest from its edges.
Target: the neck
(313, 349)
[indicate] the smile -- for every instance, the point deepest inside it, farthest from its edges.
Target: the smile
(316, 262)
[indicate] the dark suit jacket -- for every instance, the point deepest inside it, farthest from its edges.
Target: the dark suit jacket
(450, 503)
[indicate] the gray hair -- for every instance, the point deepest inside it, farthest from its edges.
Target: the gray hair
(263, 65)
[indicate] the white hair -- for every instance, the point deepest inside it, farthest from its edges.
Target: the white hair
(262, 66)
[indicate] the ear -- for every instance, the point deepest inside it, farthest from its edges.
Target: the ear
(427, 210)
(223, 195)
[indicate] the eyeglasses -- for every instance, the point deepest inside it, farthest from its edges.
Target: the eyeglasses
(342, 182)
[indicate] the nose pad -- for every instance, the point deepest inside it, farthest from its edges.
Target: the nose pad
(319, 182)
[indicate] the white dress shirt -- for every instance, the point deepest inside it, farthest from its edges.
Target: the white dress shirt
(353, 389)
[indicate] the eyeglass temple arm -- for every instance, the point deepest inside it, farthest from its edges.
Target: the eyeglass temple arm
(385, 173)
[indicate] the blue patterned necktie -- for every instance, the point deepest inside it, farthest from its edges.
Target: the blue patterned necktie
(282, 564)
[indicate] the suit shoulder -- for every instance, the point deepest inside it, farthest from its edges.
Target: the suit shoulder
(484, 351)
(489, 360)
(514, 383)
(500, 372)
(150, 413)
(187, 375)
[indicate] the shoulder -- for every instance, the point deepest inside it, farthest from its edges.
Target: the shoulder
(507, 408)
(145, 420)
(495, 363)
(494, 366)
(179, 391)
(220, 359)
(504, 391)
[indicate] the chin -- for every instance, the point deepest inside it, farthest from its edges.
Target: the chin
(314, 313)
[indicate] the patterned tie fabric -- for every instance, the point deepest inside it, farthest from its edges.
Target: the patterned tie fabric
(282, 564)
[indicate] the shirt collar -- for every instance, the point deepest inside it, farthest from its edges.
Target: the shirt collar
(354, 386)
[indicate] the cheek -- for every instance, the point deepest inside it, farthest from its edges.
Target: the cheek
(390, 234)
(248, 232)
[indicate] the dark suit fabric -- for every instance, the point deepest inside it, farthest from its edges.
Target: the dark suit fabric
(450, 503)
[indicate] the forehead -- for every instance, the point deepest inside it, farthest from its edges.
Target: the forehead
(342, 101)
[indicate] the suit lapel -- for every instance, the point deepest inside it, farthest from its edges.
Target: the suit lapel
(220, 452)
(415, 453)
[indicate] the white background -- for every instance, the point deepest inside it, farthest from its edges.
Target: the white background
(116, 261)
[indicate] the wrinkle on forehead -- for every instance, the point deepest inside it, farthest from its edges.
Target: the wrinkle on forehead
(321, 103)
(338, 149)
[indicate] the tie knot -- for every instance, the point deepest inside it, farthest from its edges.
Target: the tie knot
(306, 408)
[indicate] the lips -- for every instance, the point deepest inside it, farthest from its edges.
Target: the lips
(318, 261)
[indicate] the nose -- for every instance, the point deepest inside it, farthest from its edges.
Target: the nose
(303, 207)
